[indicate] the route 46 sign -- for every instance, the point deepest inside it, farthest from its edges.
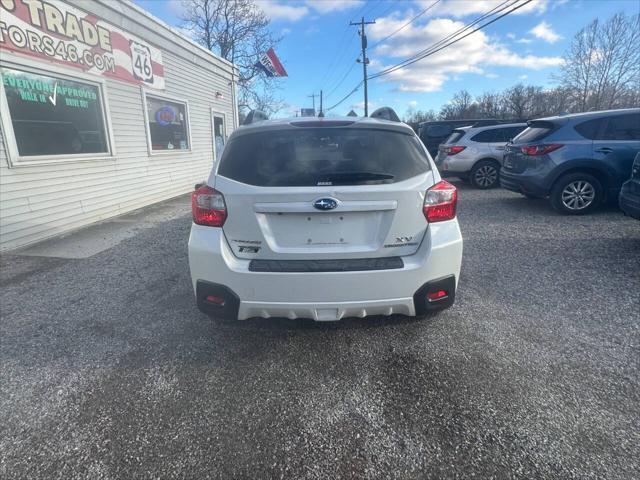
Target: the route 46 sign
(141, 61)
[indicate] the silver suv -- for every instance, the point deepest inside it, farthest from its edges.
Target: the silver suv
(475, 153)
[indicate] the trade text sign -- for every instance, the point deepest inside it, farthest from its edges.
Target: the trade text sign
(64, 34)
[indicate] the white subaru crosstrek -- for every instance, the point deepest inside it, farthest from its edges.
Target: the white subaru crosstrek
(324, 218)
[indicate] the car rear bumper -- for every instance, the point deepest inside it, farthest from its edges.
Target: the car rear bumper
(324, 295)
(522, 184)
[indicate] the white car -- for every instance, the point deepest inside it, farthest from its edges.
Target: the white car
(324, 218)
(475, 153)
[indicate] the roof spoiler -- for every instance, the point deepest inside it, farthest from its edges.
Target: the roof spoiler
(385, 113)
(254, 117)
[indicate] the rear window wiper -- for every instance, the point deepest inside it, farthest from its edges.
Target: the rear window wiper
(351, 178)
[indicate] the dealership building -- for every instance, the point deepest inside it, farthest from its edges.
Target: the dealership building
(104, 109)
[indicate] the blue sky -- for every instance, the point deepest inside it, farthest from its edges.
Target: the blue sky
(319, 48)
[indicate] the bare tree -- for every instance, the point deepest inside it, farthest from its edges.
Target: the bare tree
(414, 117)
(491, 105)
(238, 31)
(461, 106)
(602, 65)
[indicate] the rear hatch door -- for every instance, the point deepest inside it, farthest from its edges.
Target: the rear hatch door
(324, 193)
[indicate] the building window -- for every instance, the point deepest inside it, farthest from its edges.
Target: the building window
(168, 124)
(54, 116)
(219, 134)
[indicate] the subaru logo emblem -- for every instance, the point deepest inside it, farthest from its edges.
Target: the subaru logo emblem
(325, 204)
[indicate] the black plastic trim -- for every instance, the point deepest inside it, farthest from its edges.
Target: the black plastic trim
(422, 305)
(231, 301)
(342, 265)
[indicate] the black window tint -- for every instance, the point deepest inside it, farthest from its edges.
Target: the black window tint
(438, 130)
(306, 156)
(54, 116)
(591, 128)
(167, 124)
(536, 131)
(489, 136)
(623, 127)
(512, 132)
(455, 136)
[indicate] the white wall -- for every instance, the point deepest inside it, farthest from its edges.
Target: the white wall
(40, 201)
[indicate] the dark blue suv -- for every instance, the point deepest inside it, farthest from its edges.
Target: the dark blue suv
(578, 161)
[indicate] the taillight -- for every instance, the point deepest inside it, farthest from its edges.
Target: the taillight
(454, 149)
(208, 207)
(440, 202)
(542, 149)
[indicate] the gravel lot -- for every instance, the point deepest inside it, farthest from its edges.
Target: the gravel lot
(108, 370)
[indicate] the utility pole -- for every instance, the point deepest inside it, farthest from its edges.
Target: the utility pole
(313, 96)
(321, 114)
(365, 60)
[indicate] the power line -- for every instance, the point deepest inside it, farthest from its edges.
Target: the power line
(346, 96)
(436, 48)
(456, 33)
(329, 70)
(443, 43)
(406, 24)
(342, 79)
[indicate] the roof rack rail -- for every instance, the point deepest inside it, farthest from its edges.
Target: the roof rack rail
(255, 116)
(385, 113)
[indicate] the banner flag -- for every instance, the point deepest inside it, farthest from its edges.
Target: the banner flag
(270, 65)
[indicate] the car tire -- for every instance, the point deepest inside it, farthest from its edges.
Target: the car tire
(576, 194)
(485, 174)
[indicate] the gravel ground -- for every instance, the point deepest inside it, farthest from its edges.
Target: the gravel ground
(109, 371)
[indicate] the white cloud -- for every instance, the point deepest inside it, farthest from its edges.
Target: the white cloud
(281, 11)
(325, 6)
(511, 36)
(544, 31)
(524, 40)
(413, 103)
(312, 30)
(470, 55)
(293, 11)
(360, 105)
(285, 31)
(491, 75)
(459, 8)
(523, 77)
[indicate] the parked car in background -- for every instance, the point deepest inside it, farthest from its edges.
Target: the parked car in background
(324, 218)
(433, 133)
(578, 160)
(629, 199)
(475, 153)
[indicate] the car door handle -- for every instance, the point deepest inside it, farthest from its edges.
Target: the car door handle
(604, 150)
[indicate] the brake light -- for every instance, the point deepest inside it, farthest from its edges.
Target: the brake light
(542, 149)
(453, 150)
(440, 202)
(208, 207)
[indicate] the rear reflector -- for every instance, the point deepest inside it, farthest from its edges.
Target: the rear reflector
(440, 202)
(215, 300)
(208, 207)
(454, 149)
(437, 295)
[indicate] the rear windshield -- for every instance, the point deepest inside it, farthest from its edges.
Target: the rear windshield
(537, 131)
(455, 136)
(323, 156)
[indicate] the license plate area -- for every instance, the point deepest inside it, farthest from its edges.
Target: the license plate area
(323, 230)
